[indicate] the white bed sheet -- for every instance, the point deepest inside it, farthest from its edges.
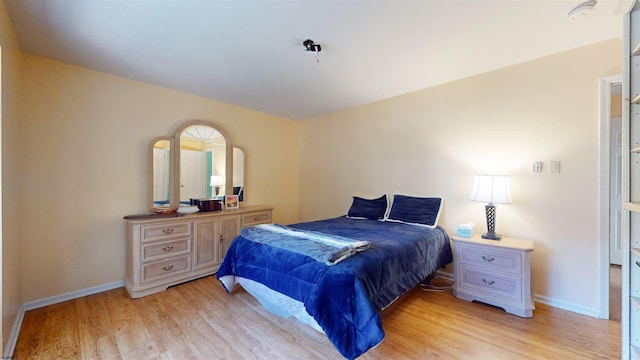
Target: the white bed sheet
(278, 303)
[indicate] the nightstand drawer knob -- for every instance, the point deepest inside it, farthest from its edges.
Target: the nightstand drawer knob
(167, 268)
(167, 248)
(488, 282)
(488, 258)
(167, 231)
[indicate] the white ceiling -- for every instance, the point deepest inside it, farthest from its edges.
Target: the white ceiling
(250, 53)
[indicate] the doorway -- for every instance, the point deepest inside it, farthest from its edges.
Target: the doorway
(610, 196)
(615, 171)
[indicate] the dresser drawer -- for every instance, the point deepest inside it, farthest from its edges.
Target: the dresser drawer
(256, 218)
(491, 258)
(158, 250)
(163, 269)
(499, 285)
(165, 231)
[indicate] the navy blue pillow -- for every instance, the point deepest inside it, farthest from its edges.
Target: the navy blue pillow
(415, 210)
(373, 209)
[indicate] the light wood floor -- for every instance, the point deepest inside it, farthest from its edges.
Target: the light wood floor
(615, 292)
(199, 320)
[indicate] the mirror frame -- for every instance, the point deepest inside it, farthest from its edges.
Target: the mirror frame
(244, 171)
(175, 189)
(171, 167)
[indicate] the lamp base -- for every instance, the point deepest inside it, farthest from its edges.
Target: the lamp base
(491, 223)
(491, 236)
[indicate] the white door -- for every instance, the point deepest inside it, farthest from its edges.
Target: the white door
(615, 192)
(191, 175)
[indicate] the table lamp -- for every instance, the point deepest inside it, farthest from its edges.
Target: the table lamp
(216, 182)
(491, 189)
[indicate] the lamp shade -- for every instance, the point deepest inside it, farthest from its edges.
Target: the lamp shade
(216, 180)
(491, 189)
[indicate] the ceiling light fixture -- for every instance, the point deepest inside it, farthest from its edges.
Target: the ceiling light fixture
(309, 45)
(582, 9)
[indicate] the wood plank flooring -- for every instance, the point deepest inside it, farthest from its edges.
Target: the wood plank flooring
(199, 320)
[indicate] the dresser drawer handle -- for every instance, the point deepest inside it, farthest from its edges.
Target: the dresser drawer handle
(167, 231)
(167, 248)
(488, 282)
(488, 258)
(167, 268)
(256, 218)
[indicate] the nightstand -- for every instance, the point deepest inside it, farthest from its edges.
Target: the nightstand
(494, 272)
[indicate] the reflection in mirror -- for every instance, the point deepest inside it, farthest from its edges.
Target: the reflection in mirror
(160, 161)
(239, 163)
(202, 163)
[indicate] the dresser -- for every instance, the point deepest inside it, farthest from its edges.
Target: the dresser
(166, 251)
(494, 272)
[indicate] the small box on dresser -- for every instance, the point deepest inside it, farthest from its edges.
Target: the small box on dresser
(494, 272)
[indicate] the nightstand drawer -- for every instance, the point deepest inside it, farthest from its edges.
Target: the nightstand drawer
(165, 231)
(256, 218)
(163, 269)
(153, 251)
(491, 258)
(501, 285)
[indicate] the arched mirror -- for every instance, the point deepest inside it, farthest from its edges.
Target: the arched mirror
(198, 162)
(239, 168)
(160, 165)
(204, 162)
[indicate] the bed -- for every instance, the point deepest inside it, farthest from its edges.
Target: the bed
(343, 299)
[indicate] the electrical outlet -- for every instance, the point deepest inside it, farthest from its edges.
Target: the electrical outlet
(12, 307)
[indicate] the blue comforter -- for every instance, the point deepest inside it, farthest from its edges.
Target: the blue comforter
(345, 299)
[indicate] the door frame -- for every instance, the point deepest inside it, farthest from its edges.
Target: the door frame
(605, 185)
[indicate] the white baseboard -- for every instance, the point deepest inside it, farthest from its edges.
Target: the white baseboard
(10, 346)
(445, 275)
(564, 305)
(72, 295)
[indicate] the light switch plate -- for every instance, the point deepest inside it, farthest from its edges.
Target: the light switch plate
(536, 167)
(554, 167)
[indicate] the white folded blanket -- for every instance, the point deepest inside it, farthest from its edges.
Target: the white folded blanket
(330, 249)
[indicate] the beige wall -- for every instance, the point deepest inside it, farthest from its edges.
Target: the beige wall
(85, 136)
(11, 70)
(616, 105)
(431, 142)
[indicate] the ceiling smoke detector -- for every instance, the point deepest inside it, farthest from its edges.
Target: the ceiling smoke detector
(582, 9)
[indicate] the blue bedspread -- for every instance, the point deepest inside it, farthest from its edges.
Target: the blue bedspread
(345, 299)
